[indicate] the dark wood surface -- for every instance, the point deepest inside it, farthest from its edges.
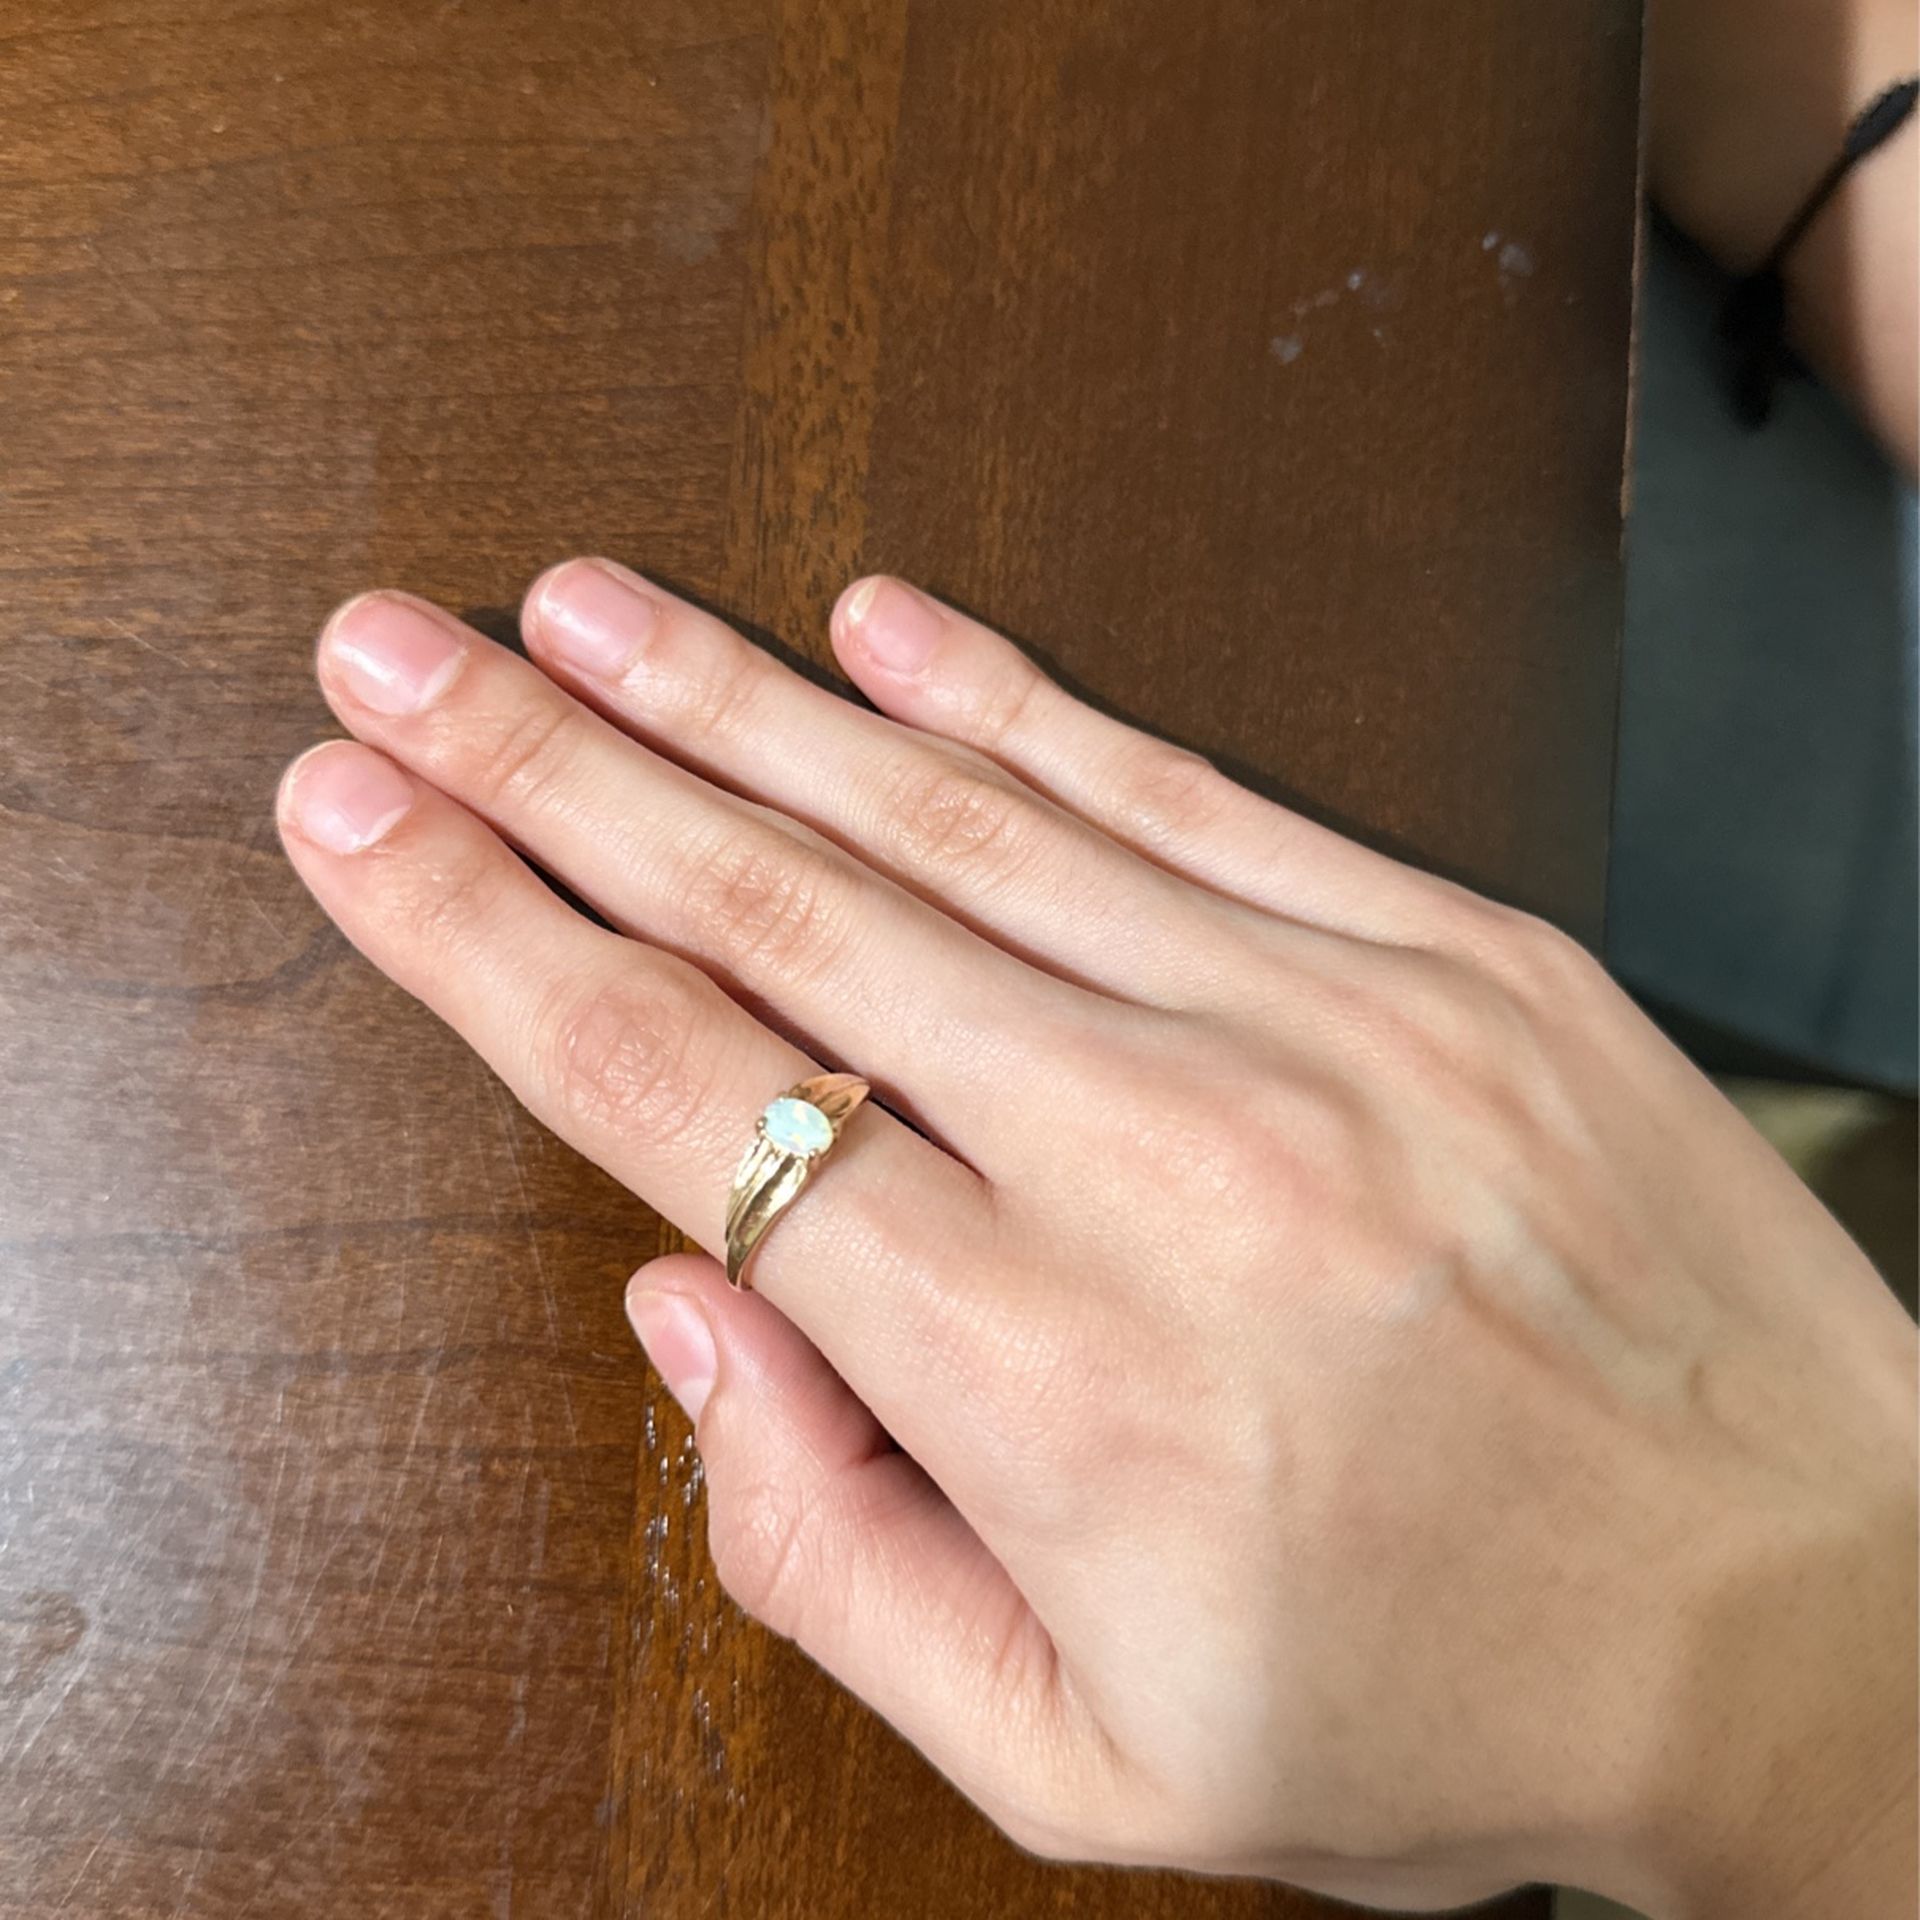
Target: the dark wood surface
(1263, 364)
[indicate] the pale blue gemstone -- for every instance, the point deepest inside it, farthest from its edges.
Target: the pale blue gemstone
(796, 1126)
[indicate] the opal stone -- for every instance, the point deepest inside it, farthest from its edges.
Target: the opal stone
(796, 1126)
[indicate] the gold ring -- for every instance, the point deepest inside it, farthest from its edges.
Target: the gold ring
(797, 1130)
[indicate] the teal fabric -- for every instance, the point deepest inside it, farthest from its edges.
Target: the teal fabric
(1764, 859)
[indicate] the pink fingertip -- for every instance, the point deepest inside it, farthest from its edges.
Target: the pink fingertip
(344, 797)
(392, 654)
(594, 618)
(895, 626)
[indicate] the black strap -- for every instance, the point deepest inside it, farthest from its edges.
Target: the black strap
(1754, 321)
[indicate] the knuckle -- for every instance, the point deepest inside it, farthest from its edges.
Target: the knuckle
(723, 703)
(1005, 705)
(942, 816)
(1182, 1138)
(1408, 1013)
(1287, 1157)
(620, 1060)
(1294, 1148)
(765, 1542)
(763, 901)
(528, 755)
(1407, 1017)
(1322, 1150)
(448, 902)
(1541, 966)
(1170, 793)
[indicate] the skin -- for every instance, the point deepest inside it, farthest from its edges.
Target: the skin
(1748, 101)
(1291, 1375)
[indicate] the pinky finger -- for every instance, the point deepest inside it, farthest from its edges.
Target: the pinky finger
(932, 668)
(834, 1539)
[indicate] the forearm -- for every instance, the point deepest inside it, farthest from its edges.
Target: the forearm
(1749, 100)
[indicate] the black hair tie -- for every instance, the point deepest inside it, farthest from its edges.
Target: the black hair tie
(1753, 323)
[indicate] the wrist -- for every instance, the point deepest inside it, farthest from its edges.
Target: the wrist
(1788, 1761)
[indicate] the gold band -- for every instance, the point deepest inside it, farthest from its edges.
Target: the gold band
(798, 1129)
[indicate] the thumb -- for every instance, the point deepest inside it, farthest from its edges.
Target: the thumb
(826, 1533)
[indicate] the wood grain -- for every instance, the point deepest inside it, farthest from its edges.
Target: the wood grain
(1264, 365)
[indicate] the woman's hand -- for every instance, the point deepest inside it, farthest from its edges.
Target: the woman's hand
(1309, 1383)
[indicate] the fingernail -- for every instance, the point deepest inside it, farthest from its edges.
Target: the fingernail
(895, 625)
(391, 655)
(344, 797)
(595, 620)
(679, 1342)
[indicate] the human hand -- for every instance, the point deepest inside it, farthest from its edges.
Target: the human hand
(1303, 1380)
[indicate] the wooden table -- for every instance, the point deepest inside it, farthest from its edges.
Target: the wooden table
(1265, 364)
